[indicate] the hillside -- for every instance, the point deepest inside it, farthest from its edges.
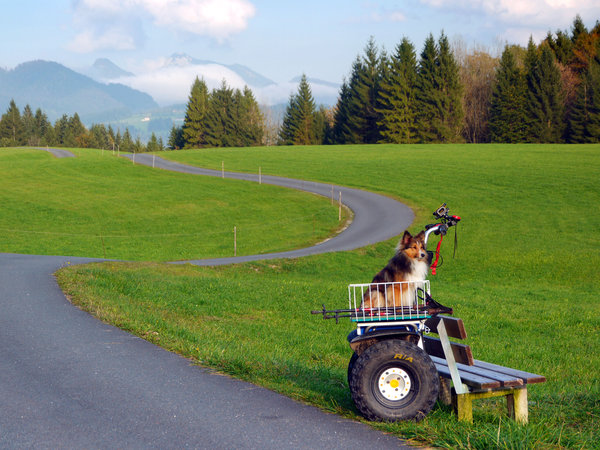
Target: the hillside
(58, 90)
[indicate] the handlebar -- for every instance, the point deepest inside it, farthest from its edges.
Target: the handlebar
(446, 221)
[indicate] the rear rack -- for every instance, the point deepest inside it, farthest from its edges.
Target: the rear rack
(387, 302)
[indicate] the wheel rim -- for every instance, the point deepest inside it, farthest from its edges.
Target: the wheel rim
(394, 384)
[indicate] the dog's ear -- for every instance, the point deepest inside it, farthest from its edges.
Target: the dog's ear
(420, 236)
(405, 239)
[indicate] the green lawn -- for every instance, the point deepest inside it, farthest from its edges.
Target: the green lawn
(524, 281)
(98, 205)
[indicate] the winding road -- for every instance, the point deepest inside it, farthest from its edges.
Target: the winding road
(70, 381)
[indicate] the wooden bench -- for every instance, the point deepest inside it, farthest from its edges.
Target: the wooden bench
(473, 379)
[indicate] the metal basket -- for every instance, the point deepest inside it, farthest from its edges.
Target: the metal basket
(376, 302)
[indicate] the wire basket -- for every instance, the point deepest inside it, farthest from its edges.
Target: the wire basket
(376, 302)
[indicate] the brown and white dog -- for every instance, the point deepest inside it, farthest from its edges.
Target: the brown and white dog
(410, 263)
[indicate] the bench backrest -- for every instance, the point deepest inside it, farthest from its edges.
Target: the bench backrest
(454, 328)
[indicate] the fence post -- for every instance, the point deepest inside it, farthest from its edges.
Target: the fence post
(340, 208)
(153, 158)
(222, 169)
(259, 175)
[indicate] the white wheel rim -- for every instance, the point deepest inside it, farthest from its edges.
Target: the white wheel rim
(394, 384)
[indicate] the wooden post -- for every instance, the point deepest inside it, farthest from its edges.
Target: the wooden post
(234, 241)
(517, 405)
(222, 169)
(153, 158)
(340, 208)
(133, 159)
(259, 175)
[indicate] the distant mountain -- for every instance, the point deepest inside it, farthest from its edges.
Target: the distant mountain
(104, 69)
(252, 78)
(58, 90)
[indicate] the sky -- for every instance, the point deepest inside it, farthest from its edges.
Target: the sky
(277, 38)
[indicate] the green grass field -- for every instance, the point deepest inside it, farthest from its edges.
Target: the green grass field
(101, 206)
(524, 281)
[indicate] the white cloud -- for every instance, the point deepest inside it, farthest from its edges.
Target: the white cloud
(172, 84)
(548, 13)
(218, 19)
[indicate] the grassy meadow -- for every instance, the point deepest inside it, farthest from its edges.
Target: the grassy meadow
(102, 206)
(524, 281)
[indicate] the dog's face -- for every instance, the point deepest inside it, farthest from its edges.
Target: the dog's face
(413, 246)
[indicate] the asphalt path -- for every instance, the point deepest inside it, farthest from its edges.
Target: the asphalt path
(69, 381)
(376, 217)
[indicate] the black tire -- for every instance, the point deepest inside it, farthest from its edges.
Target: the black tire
(394, 380)
(353, 359)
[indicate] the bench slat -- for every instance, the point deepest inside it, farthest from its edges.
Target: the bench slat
(454, 326)
(527, 377)
(472, 380)
(462, 353)
(504, 379)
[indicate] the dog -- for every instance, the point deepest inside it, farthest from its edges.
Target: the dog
(409, 263)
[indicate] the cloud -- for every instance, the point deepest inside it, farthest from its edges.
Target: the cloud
(522, 12)
(172, 83)
(118, 24)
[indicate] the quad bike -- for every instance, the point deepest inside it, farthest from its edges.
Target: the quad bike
(390, 375)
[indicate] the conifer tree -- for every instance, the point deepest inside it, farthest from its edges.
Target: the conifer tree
(44, 131)
(584, 122)
(220, 123)
(507, 110)
(250, 120)
(176, 140)
(29, 126)
(12, 130)
(364, 88)
(194, 123)
(397, 106)
(299, 126)
(427, 93)
(342, 133)
(544, 102)
(450, 89)
(126, 142)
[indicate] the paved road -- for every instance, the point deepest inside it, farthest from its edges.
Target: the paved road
(376, 217)
(70, 381)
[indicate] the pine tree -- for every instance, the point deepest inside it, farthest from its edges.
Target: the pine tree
(364, 88)
(29, 126)
(220, 126)
(427, 93)
(12, 130)
(342, 133)
(194, 123)
(299, 127)
(450, 108)
(153, 144)
(44, 131)
(126, 142)
(507, 110)
(584, 122)
(397, 96)
(544, 102)
(176, 140)
(251, 122)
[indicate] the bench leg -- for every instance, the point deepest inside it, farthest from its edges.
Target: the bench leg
(445, 391)
(517, 405)
(463, 407)
(516, 400)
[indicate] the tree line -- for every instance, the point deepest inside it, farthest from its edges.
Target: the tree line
(542, 93)
(34, 129)
(546, 92)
